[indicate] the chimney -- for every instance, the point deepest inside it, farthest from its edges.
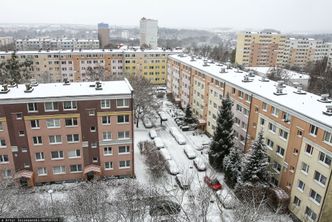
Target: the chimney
(34, 82)
(4, 89)
(251, 73)
(280, 84)
(66, 82)
(299, 91)
(222, 70)
(246, 79)
(206, 63)
(324, 98)
(98, 86)
(28, 88)
(328, 110)
(279, 91)
(192, 59)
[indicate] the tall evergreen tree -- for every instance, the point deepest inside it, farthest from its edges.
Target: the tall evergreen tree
(255, 164)
(189, 115)
(232, 166)
(223, 135)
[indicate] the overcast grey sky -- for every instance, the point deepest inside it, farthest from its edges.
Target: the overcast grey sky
(284, 15)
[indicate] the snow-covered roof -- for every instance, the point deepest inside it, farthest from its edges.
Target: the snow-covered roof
(290, 74)
(59, 90)
(106, 51)
(306, 107)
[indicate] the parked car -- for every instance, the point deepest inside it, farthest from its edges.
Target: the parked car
(172, 167)
(162, 116)
(177, 135)
(164, 208)
(182, 181)
(165, 154)
(147, 123)
(152, 134)
(159, 143)
(185, 128)
(214, 184)
(189, 152)
(199, 164)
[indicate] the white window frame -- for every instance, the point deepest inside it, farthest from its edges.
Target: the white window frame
(57, 139)
(297, 201)
(105, 104)
(40, 156)
(3, 158)
(298, 185)
(127, 149)
(3, 143)
(108, 151)
(73, 105)
(72, 136)
(313, 130)
(327, 137)
(39, 140)
(283, 134)
(36, 121)
(72, 120)
(62, 168)
(273, 127)
(126, 135)
(75, 152)
(280, 150)
(34, 110)
(319, 179)
(126, 164)
(53, 123)
(53, 107)
(107, 165)
(124, 119)
(315, 195)
(59, 154)
(77, 168)
(107, 136)
(1, 126)
(325, 157)
(269, 143)
(42, 171)
(108, 120)
(125, 103)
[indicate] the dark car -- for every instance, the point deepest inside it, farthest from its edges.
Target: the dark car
(214, 184)
(164, 207)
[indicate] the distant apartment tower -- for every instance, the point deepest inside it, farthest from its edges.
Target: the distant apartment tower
(6, 41)
(66, 131)
(149, 32)
(103, 35)
(259, 49)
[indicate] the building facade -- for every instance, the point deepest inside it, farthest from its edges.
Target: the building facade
(55, 66)
(149, 32)
(62, 132)
(55, 44)
(267, 49)
(296, 125)
(103, 35)
(6, 41)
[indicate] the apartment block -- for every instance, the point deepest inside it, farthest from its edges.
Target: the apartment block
(66, 131)
(55, 66)
(296, 125)
(149, 32)
(55, 44)
(6, 40)
(259, 48)
(103, 35)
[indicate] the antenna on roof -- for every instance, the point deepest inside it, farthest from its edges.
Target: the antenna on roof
(324, 98)
(299, 91)
(98, 85)
(279, 91)
(28, 87)
(66, 82)
(246, 79)
(4, 89)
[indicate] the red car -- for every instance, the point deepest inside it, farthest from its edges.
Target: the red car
(212, 183)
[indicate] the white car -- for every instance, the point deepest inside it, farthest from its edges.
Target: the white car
(152, 134)
(199, 164)
(172, 167)
(177, 135)
(190, 153)
(159, 143)
(165, 154)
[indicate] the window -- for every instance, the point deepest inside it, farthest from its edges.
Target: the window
(53, 123)
(304, 167)
(237, 121)
(95, 159)
(272, 127)
(73, 138)
(92, 113)
(320, 178)
(300, 185)
(42, 171)
(69, 105)
(6, 173)
(75, 168)
(124, 163)
(277, 166)
(93, 129)
(315, 196)
(51, 106)
(74, 153)
(296, 201)
(122, 103)
(108, 165)
(325, 158)
(238, 108)
(310, 213)
(32, 107)
(313, 130)
(107, 136)
(124, 149)
(34, 124)
(123, 135)
(105, 104)
(4, 159)
(262, 121)
(1, 126)
(245, 112)
(123, 119)
(57, 154)
(283, 134)
(55, 139)
(280, 151)
(71, 122)
(2, 143)
(37, 140)
(299, 132)
(106, 120)
(107, 151)
(59, 170)
(269, 143)
(309, 149)
(275, 111)
(264, 107)
(286, 117)
(21, 133)
(19, 116)
(327, 137)
(40, 156)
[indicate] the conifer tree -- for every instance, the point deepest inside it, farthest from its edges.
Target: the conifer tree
(232, 166)
(189, 115)
(223, 135)
(255, 165)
